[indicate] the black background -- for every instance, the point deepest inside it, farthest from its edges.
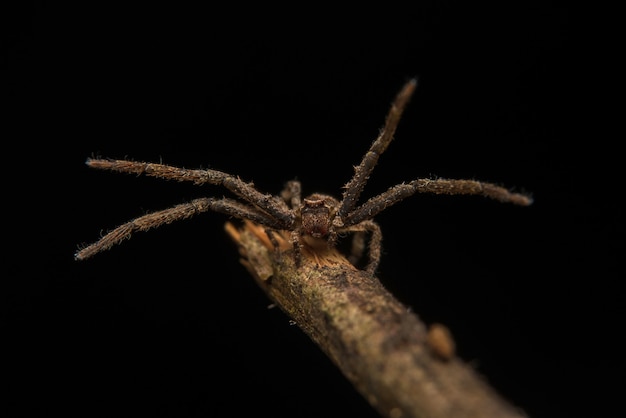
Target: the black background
(170, 324)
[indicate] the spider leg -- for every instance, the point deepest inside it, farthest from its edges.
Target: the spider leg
(376, 238)
(267, 203)
(400, 192)
(175, 213)
(362, 172)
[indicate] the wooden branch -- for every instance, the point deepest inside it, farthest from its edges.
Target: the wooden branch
(400, 367)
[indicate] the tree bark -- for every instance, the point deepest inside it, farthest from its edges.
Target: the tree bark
(402, 368)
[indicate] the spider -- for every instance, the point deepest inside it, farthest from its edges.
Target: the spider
(317, 216)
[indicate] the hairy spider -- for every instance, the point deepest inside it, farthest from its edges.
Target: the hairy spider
(318, 216)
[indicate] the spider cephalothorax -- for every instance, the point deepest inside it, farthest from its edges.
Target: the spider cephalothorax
(318, 216)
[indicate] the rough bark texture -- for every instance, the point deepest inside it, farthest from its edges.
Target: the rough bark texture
(402, 368)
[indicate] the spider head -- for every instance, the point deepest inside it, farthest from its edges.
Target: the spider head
(317, 213)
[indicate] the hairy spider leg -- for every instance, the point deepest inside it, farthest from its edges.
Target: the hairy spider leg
(358, 243)
(362, 172)
(400, 192)
(265, 202)
(175, 213)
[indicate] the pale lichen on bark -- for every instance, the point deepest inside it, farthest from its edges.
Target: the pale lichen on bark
(379, 344)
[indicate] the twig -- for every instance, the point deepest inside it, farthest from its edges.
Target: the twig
(388, 354)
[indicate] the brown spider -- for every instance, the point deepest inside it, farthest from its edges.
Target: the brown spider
(318, 216)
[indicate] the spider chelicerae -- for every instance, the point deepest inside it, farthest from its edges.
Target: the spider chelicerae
(317, 216)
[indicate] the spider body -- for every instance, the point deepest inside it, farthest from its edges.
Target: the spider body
(319, 216)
